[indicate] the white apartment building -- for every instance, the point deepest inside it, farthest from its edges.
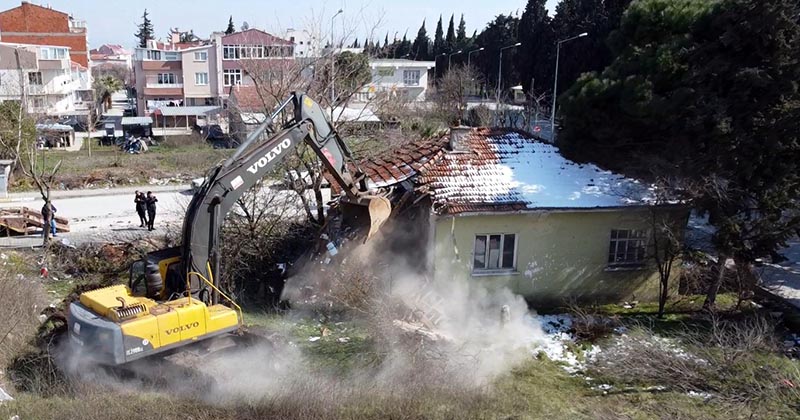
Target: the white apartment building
(52, 83)
(306, 44)
(398, 78)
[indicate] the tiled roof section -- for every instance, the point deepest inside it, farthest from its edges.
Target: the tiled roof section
(507, 170)
(403, 163)
(246, 98)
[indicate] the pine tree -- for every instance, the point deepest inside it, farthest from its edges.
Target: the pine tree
(403, 48)
(230, 29)
(356, 44)
(438, 38)
(419, 49)
(450, 40)
(145, 31)
(461, 33)
(536, 33)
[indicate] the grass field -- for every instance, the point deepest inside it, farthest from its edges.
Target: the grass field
(179, 159)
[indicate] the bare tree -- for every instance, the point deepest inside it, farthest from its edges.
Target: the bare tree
(451, 93)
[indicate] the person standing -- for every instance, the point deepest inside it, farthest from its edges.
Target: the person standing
(150, 202)
(141, 205)
(48, 218)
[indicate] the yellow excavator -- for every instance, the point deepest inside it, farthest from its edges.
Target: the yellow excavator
(173, 296)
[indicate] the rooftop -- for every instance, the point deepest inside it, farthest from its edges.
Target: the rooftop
(503, 171)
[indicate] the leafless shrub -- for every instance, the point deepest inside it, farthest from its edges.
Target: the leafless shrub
(21, 301)
(729, 361)
(589, 325)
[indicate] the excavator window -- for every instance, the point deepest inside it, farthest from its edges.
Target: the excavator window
(137, 280)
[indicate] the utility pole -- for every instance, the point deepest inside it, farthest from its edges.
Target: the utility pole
(333, 67)
(555, 85)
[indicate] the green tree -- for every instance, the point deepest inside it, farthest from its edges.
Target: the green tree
(438, 38)
(105, 86)
(145, 31)
(705, 94)
(450, 39)
(499, 33)
(421, 45)
(230, 29)
(536, 34)
(403, 47)
(461, 34)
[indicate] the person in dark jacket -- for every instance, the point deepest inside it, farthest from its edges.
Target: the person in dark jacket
(150, 202)
(141, 206)
(48, 218)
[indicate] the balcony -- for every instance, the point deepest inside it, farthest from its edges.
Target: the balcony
(36, 89)
(156, 85)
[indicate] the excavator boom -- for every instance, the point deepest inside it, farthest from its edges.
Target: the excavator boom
(173, 298)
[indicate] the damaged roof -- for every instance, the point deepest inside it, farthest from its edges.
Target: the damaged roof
(504, 170)
(403, 163)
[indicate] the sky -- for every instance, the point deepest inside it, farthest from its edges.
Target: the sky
(114, 21)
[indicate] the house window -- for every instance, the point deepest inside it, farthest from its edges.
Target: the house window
(201, 56)
(35, 78)
(387, 71)
(411, 77)
(37, 102)
(172, 56)
(166, 78)
(230, 52)
(231, 77)
(627, 248)
(494, 252)
(201, 79)
(153, 55)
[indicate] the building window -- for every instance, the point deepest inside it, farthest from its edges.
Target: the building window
(153, 55)
(166, 79)
(494, 252)
(627, 248)
(387, 72)
(230, 52)
(52, 53)
(201, 56)
(35, 78)
(231, 77)
(201, 78)
(37, 102)
(172, 56)
(411, 77)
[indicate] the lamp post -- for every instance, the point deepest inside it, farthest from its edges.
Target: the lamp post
(500, 74)
(333, 64)
(450, 57)
(469, 54)
(555, 84)
(435, 62)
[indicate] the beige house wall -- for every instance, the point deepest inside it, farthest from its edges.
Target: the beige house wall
(559, 255)
(191, 66)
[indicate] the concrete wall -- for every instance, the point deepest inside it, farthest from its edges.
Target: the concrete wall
(560, 255)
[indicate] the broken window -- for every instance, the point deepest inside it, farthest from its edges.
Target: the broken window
(494, 252)
(627, 248)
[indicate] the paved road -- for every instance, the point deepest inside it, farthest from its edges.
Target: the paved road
(111, 217)
(783, 279)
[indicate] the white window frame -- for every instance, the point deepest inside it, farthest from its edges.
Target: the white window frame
(486, 269)
(627, 248)
(412, 75)
(201, 79)
(172, 56)
(230, 52)
(167, 79)
(153, 55)
(231, 77)
(201, 56)
(35, 78)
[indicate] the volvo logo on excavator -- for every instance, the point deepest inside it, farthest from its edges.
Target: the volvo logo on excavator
(181, 328)
(270, 156)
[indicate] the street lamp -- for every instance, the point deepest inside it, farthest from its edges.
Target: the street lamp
(469, 54)
(555, 84)
(333, 63)
(435, 62)
(500, 73)
(450, 57)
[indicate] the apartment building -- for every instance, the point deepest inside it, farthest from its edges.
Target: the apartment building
(46, 76)
(306, 44)
(111, 55)
(29, 23)
(398, 78)
(201, 73)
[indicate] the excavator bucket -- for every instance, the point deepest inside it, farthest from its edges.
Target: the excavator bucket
(368, 213)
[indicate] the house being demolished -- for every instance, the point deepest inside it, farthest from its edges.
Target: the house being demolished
(499, 207)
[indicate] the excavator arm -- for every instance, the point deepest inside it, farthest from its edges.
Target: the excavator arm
(254, 159)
